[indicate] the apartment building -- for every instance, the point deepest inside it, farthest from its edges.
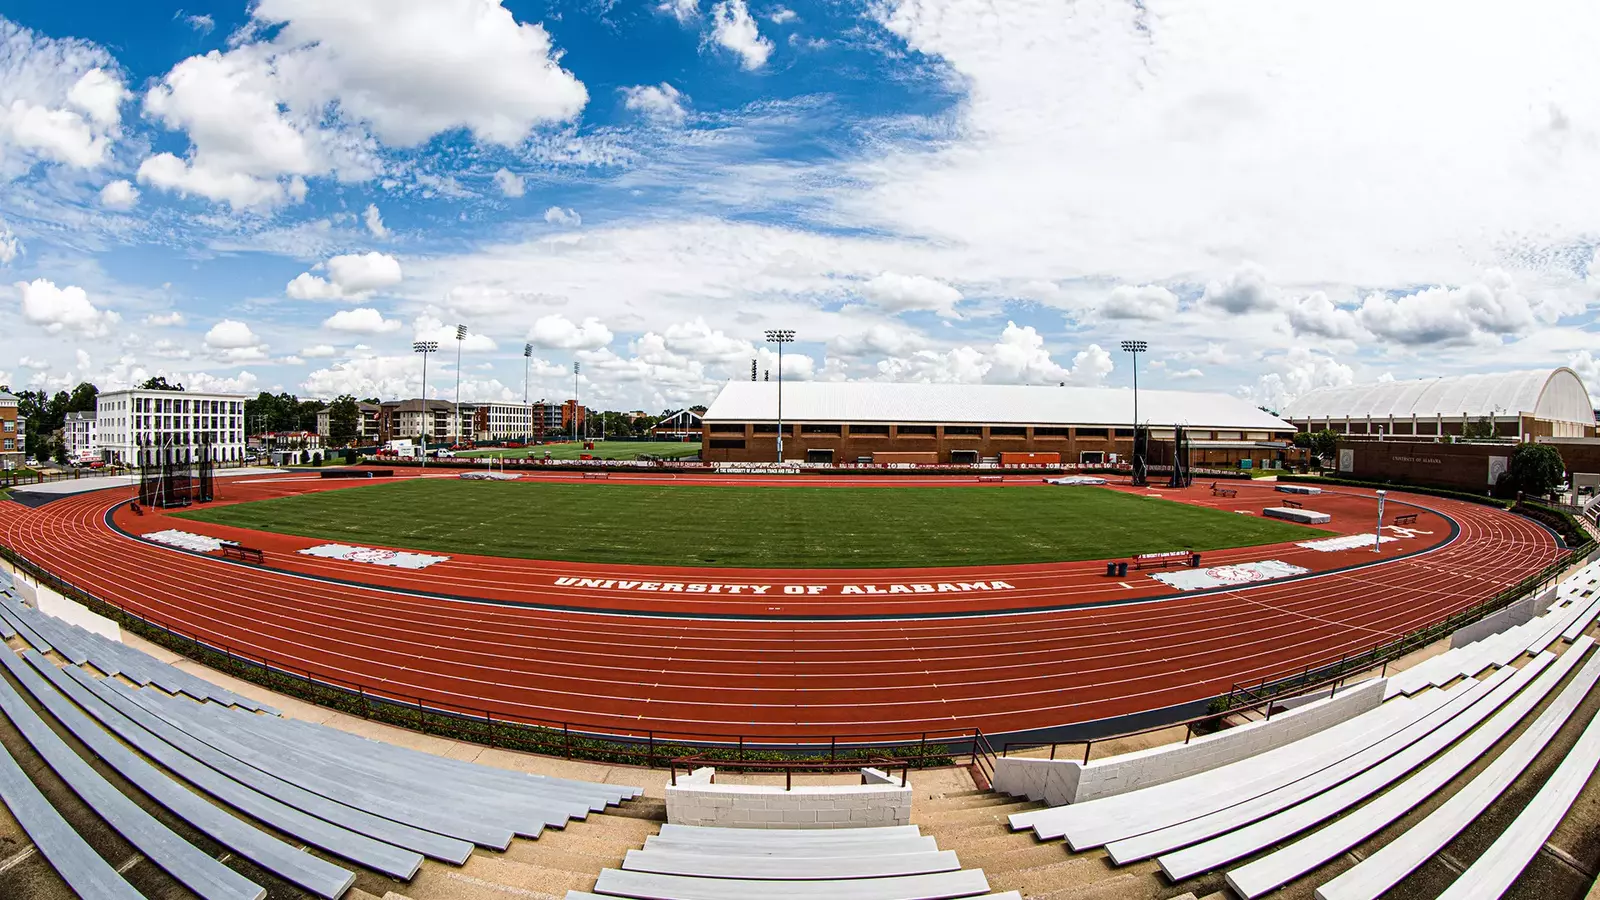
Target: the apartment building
(81, 436)
(12, 432)
(139, 427)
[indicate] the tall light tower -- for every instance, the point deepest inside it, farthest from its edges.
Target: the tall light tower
(1135, 348)
(780, 336)
(575, 406)
(527, 360)
(461, 338)
(425, 348)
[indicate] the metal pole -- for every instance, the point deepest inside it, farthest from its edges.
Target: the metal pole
(424, 409)
(780, 401)
(575, 406)
(461, 338)
(1377, 535)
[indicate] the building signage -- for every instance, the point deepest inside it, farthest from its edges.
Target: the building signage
(1425, 460)
(696, 587)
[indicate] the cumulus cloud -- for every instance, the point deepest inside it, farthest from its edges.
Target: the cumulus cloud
(735, 30)
(201, 23)
(60, 100)
(10, 245)
(682, 10)
(313, 84)
(230, 334)
(362, 320)
(557, 332)
(374, 222)
(245, 382)
(1297, 372)
(1150, 302)
(555, 215)
(782, 15)
(509, 183)
(661, 103)
(1245, 290)
(64, 309)
(1018, 357)
(1317, 315)
(1186, 374)
(902, 293)
(352, 276)
(1483, 312)
(878, 338)
(119, 194)
(164, 320)
(318, 351)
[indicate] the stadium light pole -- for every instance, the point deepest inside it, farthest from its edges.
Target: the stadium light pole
(527, 360)
(1135, 348)
(1377, 535)
(424, 348)
(461, 338)
(575, 406)
(780, 336)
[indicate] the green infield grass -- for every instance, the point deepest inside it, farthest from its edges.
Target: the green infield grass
(781, 527)
(602, 450)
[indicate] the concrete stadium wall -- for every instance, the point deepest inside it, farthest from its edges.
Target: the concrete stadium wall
(697, 801)
(51, 603)
(1068, 781)
(1516, 614)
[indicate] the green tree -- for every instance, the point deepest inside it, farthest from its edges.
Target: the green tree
(1534, 469)
(344, 420)
(159, 383)
(1478, 429)
(305, 414)
(83, 398)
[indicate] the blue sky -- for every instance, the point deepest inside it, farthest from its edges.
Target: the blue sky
(283, 195)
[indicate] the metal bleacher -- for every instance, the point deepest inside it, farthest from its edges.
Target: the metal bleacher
(237, 772)
(687, 862)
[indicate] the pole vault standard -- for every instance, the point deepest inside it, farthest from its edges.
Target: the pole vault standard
(1377, 535)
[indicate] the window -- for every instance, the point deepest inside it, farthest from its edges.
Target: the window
(727, 443)
(1124, 432)
(869, 431)
(963, 431)
(915, 431)
(727, 428)
(772, 428)
(1052, 432)
(1007, 431)
(816, 428)
(1092, 433)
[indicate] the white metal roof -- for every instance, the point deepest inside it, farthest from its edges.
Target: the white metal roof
(1554, 394)
(984, 404)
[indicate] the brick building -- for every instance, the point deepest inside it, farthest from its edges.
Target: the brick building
(847, 422)
(13, 432)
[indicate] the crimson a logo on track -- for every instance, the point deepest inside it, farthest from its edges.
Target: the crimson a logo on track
(693, 587)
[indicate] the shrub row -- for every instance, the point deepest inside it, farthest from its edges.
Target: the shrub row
(1398, 486)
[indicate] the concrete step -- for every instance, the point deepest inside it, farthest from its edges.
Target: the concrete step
(971, 801)
(1081, 876)
(554, 855)
(997, 857)
(1128, 886)
(494, 878)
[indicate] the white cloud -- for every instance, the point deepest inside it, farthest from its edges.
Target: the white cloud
(362, 320)
(428, 327)
(245, 382)
(1483, 312)
(10, 245)
(879, 338)
(1317, 315)
(682, 10)
(329, 79)
(60, 101)
(374, 222)
(1587, 365)
(64, 309)
(230, 334)
(735, 30)
(557, 332)
(29, 362)
(1018, 357)
(1186, 374)
(782, 15)
(351, 276)
(509, 183)
(1592, 270)
(201, 23)
(901, 293)
(319, 351)
(555, 215)
(661, 103)
(164, 320)
(1298, 371)
(119, 194)
(1245, 290)
(1150, 302)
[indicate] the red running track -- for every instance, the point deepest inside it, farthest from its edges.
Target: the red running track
(889, 669)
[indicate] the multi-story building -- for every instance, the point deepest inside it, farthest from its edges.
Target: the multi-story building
(367, 429)
(139, 427)
(80, 436)
(552, 420)
(501, 421)
(12, 432)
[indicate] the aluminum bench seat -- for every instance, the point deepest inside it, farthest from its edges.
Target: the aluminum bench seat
(1448, 721)
(467, 772)
(794, 850)
(1273, 829)
(1387, 866)
(1305, 854)
(868, 864)
(1094, 822)
(327, 806)
(1582, 621)
(284, 757)
(188, 864)
(8, 613)
(646, 886)
(67, 852)
(43, 626)
(290, 863)
(1494, 872)
(343, 842)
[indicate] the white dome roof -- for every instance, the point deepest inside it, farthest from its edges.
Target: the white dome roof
(1552, 394)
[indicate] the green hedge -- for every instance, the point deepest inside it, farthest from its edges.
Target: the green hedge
(480, 729)
(1558, 520)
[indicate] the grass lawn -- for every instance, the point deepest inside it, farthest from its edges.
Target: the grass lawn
(602, 450)
(755, 526)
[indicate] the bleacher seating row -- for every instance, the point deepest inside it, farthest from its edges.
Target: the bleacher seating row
(686, 862)
(1291, 809)
(242, 775)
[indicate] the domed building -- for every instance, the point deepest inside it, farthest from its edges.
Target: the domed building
(1527, 405)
